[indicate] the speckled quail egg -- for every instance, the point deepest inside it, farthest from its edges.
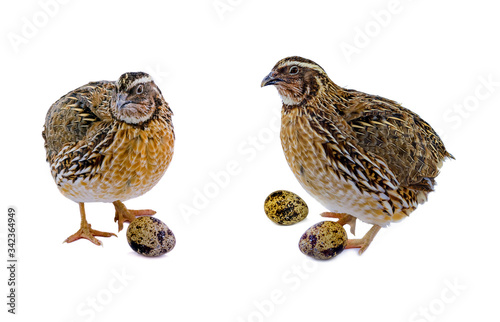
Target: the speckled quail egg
(150, 236)
(323, 240)
(285, 207)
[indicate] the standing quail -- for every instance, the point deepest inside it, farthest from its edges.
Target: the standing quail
(109, 142)
(360, 155)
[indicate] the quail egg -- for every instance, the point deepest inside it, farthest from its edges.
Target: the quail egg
(150, 237)
(323, 240)
(285, 207)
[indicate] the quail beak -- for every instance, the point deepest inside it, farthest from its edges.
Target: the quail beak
(270, 79)
(121, 101)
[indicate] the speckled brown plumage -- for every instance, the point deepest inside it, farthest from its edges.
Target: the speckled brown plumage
(109, 142)
(358, 154)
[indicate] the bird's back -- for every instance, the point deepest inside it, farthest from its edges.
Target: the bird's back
(411, 148)
(69, 118)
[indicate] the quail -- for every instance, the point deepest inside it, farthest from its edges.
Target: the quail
(109, 141)
(361, 156)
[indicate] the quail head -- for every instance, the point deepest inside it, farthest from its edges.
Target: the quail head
(109, 142)
(361, 156)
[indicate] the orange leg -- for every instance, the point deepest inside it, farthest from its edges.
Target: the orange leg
(122, 214)
(350, 220)
(343, 219)
(86, 231)
(364, 242)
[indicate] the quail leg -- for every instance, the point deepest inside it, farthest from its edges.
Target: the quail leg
(343, 219)
(364, 242)
(122, 214)
(86, 231)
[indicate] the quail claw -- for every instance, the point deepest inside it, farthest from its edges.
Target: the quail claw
(343, 219)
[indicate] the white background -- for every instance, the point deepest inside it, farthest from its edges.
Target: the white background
(438, 58)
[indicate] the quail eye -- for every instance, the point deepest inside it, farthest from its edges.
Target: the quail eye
(293, 70)
(139, 89)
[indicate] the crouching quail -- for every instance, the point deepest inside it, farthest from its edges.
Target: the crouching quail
(109, 142)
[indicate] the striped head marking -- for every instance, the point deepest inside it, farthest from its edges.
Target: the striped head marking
(137, 97)
(296, 79)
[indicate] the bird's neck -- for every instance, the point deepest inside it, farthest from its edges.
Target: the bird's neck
(330, 98)
(328, 103)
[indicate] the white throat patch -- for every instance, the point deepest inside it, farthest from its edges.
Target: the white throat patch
(289, 100)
